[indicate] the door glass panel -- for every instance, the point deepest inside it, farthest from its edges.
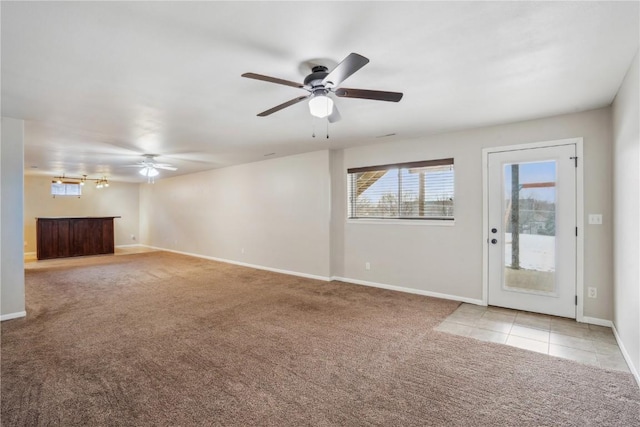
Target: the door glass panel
(529, 214)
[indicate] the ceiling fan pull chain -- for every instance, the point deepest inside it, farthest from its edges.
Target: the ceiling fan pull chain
(327, 122)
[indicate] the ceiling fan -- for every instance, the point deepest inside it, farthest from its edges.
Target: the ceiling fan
(149, 168)
(320, 83)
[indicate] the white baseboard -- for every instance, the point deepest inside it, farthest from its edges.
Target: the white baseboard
(625, 354)
(15, 315)
(328, 279)
(596, 321)
(409, 290)
(30, 253)
(132, 245)
(245, 264)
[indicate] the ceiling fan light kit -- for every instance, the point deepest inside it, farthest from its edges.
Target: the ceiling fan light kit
(320, 106)
(321, 83)
(149, 171)
(149, 168)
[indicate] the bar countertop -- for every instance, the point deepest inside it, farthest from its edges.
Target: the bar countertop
(76, 217)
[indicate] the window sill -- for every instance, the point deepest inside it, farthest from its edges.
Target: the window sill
(421, 222)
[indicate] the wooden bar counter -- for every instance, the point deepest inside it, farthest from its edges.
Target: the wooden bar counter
(74, 236)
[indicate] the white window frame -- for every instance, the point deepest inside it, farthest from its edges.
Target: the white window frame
(67, 186)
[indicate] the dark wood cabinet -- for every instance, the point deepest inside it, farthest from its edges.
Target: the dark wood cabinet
(67, 237)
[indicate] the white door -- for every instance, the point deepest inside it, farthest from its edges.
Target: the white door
(532, 229)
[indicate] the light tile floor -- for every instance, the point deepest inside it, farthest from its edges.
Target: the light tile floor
(555, 336)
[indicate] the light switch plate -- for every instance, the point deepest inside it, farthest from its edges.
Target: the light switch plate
(595, 219)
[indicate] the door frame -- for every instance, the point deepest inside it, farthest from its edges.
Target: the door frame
(579, 214)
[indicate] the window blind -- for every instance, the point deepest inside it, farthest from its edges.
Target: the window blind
(412, 190)
(66, 189)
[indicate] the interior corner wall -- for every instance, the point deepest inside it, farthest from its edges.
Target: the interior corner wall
(119, 199)
(626, 167)
(12, 296)
(338, 210)
(273, 214)
(447, 260)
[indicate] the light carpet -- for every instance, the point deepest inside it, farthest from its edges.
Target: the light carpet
(164, 339)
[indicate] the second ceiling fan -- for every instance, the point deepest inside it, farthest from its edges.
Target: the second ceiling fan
(149, 167)
(320, 83)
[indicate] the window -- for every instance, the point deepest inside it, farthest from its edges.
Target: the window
(66, 189)
(416, 190)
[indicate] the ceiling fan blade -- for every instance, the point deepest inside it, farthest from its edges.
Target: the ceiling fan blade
(376, 95)
(273, 80)
(284, 105)
(132, 166)
(335, 115)
(165, 167)
(349, 65)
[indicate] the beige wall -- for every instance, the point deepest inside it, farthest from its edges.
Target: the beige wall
(448, 259)
(338, 209)
(12, 302)
(277, 210)
(626, 169)
(119, 199)
(290, 213)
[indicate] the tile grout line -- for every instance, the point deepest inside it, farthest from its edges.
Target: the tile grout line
(561, 328)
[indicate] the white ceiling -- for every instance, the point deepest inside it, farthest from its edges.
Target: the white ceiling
(100, 84)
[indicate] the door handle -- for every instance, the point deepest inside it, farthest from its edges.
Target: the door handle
(494, 241)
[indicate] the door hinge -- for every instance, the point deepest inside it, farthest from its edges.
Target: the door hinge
(575, 158)
(576, 299)
(576, 231)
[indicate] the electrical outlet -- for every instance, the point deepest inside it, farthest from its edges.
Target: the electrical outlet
(133, 237)
(593, 293)
(242, 250)
(367, 265)
(595, 219)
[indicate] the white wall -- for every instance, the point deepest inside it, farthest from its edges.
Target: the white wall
(119, 199)
(277, 210)
(626, 169)
(11, 251)
(448, 259)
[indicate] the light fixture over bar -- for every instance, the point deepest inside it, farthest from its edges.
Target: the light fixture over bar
(100, 182)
